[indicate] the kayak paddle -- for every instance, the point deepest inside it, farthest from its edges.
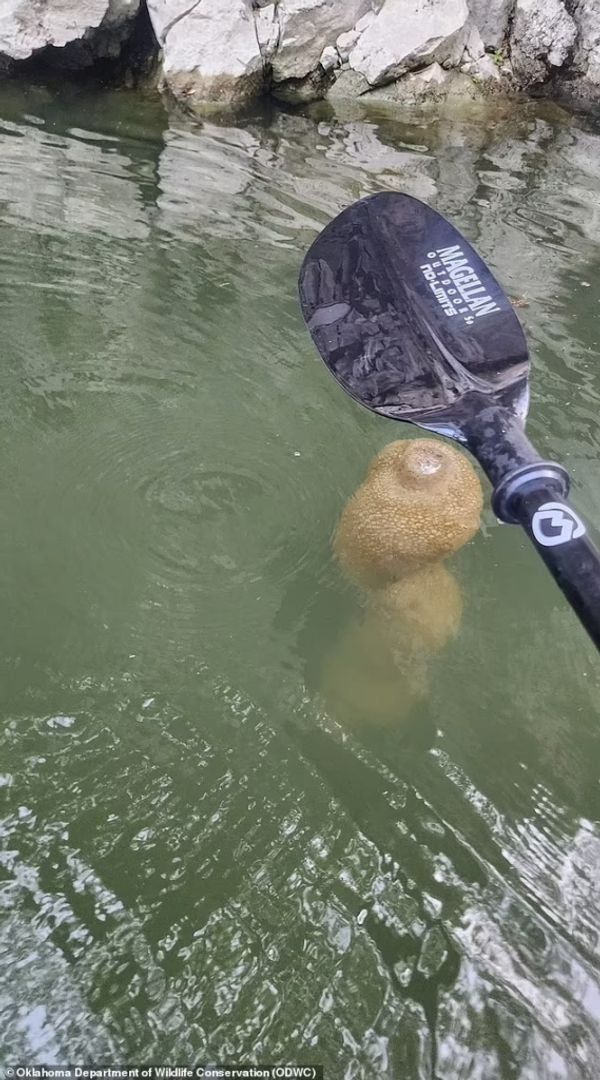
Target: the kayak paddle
(412, 324)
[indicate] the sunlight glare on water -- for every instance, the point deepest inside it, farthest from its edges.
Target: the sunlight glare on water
(198, 862)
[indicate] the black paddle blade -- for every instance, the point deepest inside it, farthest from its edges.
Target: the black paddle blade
(409, 319)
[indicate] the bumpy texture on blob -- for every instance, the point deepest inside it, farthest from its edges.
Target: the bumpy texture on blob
(421, 501)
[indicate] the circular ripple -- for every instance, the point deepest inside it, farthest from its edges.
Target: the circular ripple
(225, 526)
(203, 494)
(222, 510)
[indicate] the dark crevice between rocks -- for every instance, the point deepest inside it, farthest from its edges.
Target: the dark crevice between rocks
(507, 40)
(300, 91)
(123, 56)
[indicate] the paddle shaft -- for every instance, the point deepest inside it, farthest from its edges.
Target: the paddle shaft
(574, 562)
(533, 493)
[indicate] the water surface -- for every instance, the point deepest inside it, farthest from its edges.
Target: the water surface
(198, 861)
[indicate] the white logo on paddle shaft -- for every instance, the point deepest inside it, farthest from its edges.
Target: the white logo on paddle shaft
(456, 286)
(554, 524)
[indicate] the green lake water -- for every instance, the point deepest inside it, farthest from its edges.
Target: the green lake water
(198, 862)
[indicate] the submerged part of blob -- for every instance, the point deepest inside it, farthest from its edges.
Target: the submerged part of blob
(365, 681)
(378, 670)
(421, 611)
(420, 502)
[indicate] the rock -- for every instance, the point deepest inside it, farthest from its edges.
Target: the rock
(542, 38)
(229, 51)
(311, 87)
(267, 30)
(306, 27)
(491, 18)
(480, 65)
(211, 50)
(164, 14)
(474, 46)
(586, 14)
(429, 87)
(329, 58)
(486, 70)
(346, 42)
(580, 86)
(348, 84)
(408, 34)
(98, 25)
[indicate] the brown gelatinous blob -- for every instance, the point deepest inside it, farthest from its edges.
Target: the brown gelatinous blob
(420, 502)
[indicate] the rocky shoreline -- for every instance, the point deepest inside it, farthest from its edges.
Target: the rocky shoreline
(227, 52)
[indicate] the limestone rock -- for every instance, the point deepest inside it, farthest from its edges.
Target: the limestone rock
(267, 30)
(586, 14)
(474, 45)
(211, 50)
(542, 38)
(430, 83)
(348, 84)
(329, 58)
(311, 87)
(491, 18)
(228, 51)
(486, 70)
(26, 28)
(306, 27)
(429, 87)
(410, 33)
(346, 42)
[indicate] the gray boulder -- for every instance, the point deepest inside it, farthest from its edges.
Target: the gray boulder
(408, 34)
(542, 39)
(307, 27)
(586, 15)
(267, 30)
(491, 18)
(95, 27)
(430, 87)
(210, 49)
(346, 41)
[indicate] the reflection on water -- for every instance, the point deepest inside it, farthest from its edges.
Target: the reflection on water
(197, 860)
